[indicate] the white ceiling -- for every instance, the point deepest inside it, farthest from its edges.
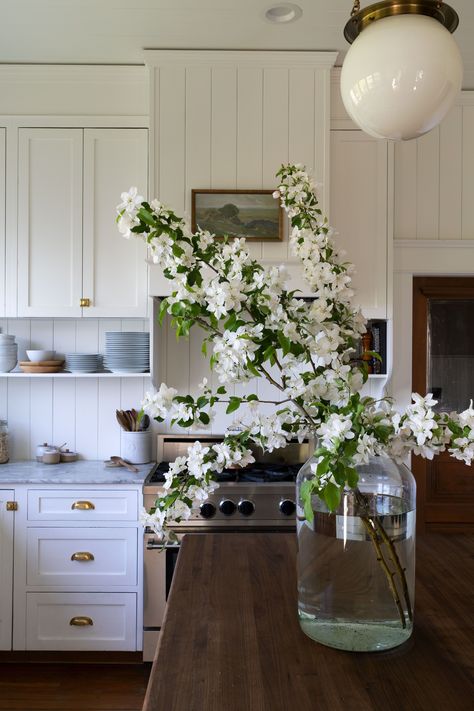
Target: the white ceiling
(116, 31)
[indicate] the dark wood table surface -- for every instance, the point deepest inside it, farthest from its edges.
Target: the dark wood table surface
(231, 639)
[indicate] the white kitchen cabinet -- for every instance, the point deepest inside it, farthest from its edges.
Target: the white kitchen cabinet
(359, 212)
(78, 568)
(6, 568)
(2, 218)
(69, 248)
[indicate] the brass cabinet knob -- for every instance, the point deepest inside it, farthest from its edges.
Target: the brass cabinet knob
(80, 621)
(12, 506)
(82, 556)
(83, 505)
(85, 303)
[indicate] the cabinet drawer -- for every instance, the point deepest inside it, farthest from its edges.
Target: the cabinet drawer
(82, 556)
(81, 505)
(102, 621)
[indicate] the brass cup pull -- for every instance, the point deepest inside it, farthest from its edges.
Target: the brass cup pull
(82, 556)
(81, 621)
(83, 505)
(85, 303)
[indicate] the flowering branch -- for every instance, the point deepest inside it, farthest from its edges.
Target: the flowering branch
(252, 323)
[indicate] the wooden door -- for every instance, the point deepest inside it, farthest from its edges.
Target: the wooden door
(50, 222)
(443, 363)
(115, 269)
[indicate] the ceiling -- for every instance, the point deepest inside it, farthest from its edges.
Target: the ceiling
(116, 31)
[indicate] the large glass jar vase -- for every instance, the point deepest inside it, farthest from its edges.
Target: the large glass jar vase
(356, 566)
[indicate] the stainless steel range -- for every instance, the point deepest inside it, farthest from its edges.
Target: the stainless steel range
(259, 497)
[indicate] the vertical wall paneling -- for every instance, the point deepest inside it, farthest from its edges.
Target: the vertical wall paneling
(322, 99)
(427, 216)
(108, 430)
(450, 175)
(301, 117)
(405, 189)
(3, 158)
(87, 408)
(198, 130)
(64, 336)
(64, 413)
(18, 416)
(41, 413)
(172, 137)
(468, 173)
(224, 128)
(275, 143)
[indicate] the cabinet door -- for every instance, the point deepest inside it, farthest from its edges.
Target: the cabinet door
(6, 567)
(2, 220)
(49, 222)
(115, 269)
(359, 167)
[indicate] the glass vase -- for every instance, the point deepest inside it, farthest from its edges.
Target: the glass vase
(356, 566)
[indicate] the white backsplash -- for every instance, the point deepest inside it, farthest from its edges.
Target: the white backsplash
(79, 411)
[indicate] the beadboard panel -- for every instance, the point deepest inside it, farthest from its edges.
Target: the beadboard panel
(434, 179)
(79, 412)
(229, 120)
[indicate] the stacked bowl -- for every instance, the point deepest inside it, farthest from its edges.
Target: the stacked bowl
(83, 362)
(127, 351)
(8, 353)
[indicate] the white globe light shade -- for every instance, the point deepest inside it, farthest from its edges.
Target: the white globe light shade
(401, 76)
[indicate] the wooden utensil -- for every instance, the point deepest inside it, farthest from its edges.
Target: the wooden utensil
(121, 462)
(122, 420)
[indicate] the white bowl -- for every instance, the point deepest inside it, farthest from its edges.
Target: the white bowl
(36, 356)
(7, 366)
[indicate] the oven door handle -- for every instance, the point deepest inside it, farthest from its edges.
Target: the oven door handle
(154, 544)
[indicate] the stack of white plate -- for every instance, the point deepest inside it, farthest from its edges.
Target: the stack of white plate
(127, 351)
(83, 362)
(8, 353)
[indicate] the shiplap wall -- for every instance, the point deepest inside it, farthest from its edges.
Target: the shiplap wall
(79, 411)
(434, 179)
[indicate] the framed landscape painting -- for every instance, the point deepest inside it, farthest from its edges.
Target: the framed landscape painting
(253, 214)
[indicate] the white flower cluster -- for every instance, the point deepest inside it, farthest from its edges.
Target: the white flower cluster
(232, 352)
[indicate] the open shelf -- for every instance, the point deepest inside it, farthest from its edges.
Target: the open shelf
(74, 375)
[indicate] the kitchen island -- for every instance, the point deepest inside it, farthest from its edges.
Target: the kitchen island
(231, 639)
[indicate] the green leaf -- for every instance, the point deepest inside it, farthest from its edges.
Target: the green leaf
(221, 390)
(352, 477)
(306, 491)
(233, 405)
(204, 417)
(163, 309)
(146, 217)
(204, 348)
(251, 397)
(332, 496)
(201, 401)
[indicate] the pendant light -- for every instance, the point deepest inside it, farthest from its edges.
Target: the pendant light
(403, 71)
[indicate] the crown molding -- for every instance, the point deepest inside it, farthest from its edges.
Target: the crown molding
(281, 58)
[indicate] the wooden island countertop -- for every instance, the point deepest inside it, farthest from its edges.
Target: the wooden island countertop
(231, 639)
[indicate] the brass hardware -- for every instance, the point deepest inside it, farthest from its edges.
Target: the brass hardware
(12, 506)
(83, 505)
(82, 556)
(85, 303)
(360, 19)
(81, 621)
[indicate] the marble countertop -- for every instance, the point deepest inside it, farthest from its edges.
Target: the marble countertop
(78, 473)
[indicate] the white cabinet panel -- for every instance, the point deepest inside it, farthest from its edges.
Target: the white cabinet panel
(114, 269)
(2, 219)
(82, 556)
(6, 567)
(81, 621)
(359, 213)
(49, 222)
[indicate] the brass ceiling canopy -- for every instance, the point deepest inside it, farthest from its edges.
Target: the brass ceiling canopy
(360, 19)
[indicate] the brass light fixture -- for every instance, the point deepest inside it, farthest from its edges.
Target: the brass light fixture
(403, 71)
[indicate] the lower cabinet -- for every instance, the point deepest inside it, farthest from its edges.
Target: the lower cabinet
(7, 497)
(78, 569)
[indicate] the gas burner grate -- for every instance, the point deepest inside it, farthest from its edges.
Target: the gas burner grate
(258, 473)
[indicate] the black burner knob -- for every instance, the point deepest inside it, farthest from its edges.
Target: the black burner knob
(246, 508)
(227, 507)
(207, 510)
(287, 507)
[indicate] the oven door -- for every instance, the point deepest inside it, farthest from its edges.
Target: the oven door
(159, 565)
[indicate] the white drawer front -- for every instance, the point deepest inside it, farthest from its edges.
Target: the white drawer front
(110, 621)
(82, 556)
(82, 505)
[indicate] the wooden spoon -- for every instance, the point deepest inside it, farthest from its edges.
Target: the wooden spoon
(123, 463)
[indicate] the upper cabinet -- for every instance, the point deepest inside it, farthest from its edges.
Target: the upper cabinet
(69, 249)
(359, 212)
(2, 218)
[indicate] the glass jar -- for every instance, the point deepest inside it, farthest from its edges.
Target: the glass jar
(4, 453)
(356, 566)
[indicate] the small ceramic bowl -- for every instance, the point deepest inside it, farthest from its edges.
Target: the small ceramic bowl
(37, 356)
